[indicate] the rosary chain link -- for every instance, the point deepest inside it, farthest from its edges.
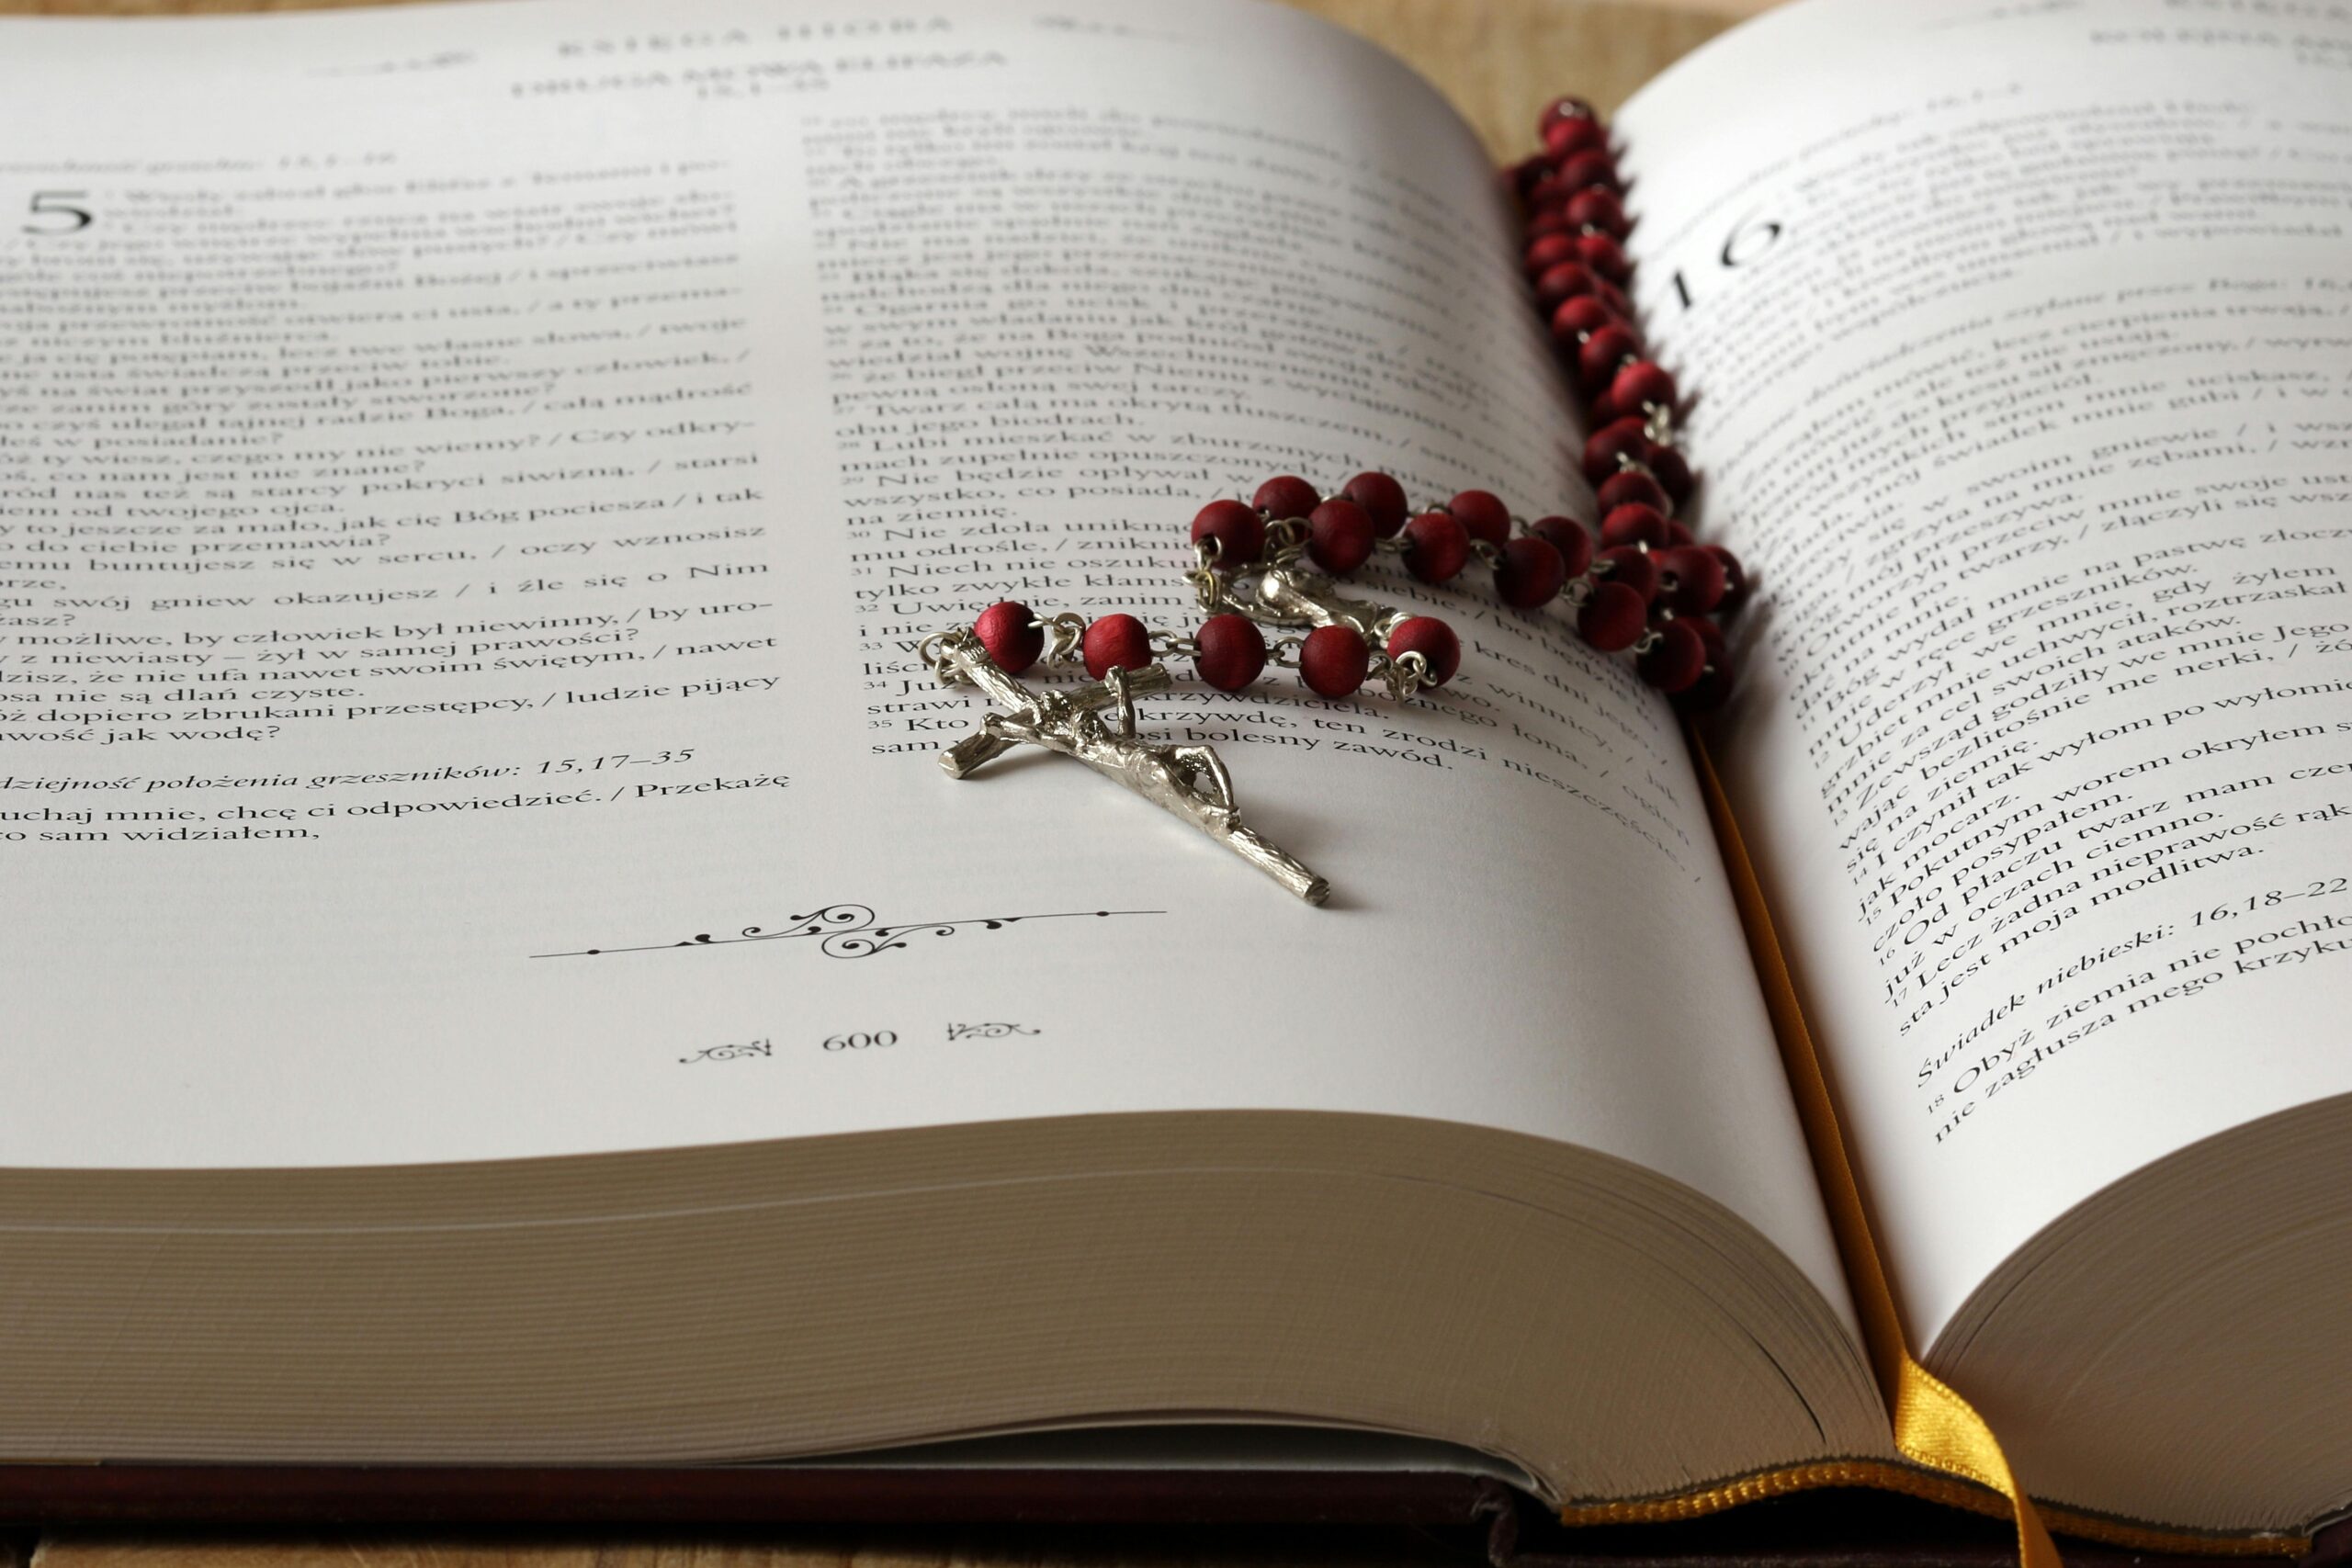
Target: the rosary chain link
(1208, 587)
(1406, 675)
(1285, 541)
(1065, 637)
(931, 650)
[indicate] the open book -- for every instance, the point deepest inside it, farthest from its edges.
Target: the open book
(496, 976)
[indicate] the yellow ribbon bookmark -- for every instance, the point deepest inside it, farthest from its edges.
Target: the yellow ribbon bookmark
(1953, 1454)
(1933, 1426)
(1954, 1458)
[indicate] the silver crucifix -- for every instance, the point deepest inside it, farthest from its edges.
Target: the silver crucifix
(1188, 782)
(1286, 594)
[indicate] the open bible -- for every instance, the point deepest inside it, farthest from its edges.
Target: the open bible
(498, 978)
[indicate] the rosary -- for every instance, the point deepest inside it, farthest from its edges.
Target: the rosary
(1647, 587)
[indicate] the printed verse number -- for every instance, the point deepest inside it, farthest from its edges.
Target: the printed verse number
(1749, 239)
(55, 212)
(864, 1040)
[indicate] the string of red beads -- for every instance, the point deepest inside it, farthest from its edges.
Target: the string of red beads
(1576, 262)
(1637, 590)
(1644, 573)
(1647, 586)
(1339, 534)
(1230, 650)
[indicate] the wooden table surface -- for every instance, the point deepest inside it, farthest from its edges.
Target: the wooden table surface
(1499, 61)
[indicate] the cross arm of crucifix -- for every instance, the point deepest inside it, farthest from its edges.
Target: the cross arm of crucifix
(1188, 782)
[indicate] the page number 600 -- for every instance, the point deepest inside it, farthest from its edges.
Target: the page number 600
(57, 212)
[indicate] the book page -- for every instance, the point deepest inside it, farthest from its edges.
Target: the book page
(477, 483)
(2020, 337)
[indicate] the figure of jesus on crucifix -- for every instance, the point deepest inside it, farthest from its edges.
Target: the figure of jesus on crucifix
(1188, 782)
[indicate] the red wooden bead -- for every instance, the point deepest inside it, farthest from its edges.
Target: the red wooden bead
(1709, 633)
(1677, 534)
(1641, 383)
(1530, 573)
(1232, 651)
(1482, 516)
(1524, 174)
(1629, 566)
(1239, 532)
(1627, 437)
(1587, 169)
(1613, 617)
(1554, 221)
(1710, 690)
(1605, 256)
(1737, 584)
(1011, 634)
(1581, 315)
(1613, 297)
(1334, 660)
(1676, 660)
(1339, 535)
(1550, 194)
(1433, 641)
(1436, 546)
(1547, 250)
(1690, 581)
(1632, 487)
(1599, 209)
(1598, 360)
(1564, 138)
(1610, 401)
(1382, 498)
(1671, 469)
(1567, 106)
(1635, 525)
(1557, 285)
(1285, 496)
(1115, 641)
(1568, 536)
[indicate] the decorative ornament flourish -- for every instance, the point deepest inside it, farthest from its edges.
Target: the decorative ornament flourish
(848, 930)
